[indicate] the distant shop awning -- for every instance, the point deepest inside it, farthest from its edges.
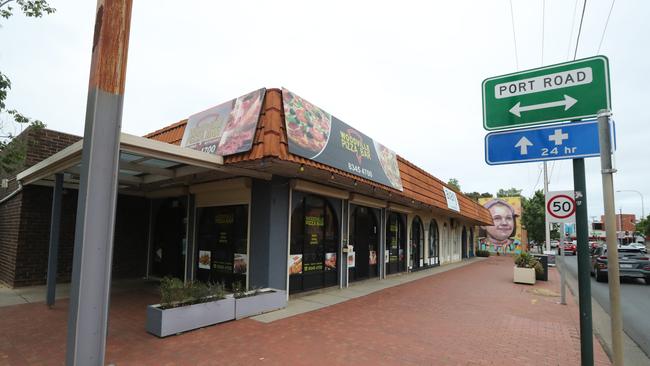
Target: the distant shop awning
(144, 165)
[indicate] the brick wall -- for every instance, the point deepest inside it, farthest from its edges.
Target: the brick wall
(130, 243)
(9, 225)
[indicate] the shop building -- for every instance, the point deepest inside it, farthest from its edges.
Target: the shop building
(283, 195)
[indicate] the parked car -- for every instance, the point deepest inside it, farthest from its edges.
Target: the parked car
(554, 243)
(569, 248)
(639, 246)
(632, 263)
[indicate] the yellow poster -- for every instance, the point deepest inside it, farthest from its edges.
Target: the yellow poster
(505, 235)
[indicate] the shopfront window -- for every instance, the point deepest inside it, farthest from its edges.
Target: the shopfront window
(222, 238)
(364, 238)
(395, 243)
(434, 243)
(417, 243)
(314, 245)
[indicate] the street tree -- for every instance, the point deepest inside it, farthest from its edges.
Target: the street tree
(453, 183)
(475, 195)
(643, 226)
(512, 192)
(12, 152)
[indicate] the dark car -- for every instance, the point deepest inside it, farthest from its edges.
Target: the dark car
(632, 262)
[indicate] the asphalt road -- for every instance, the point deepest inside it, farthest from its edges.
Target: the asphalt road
(635, 304)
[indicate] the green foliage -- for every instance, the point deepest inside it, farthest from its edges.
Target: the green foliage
(643, 226)
(482, 253)
(239, 290)
(533, 217)
(525, 260)
(453, 183)
(512, 192)
(12, 155)
(174, 293)
(31, 8)
(475, 195)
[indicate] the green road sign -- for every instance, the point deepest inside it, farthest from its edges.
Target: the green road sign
(562, 92)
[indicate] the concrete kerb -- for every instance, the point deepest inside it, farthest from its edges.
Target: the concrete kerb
(319, 299)
(633, 355)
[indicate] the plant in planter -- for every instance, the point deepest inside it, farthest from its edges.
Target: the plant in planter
(526, 266)
(188, 306)
(482, 253)
(257, 301)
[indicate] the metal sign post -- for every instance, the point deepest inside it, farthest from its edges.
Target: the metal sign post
(612, 245)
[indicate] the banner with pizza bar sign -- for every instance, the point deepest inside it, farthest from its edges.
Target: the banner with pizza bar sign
(317, 135)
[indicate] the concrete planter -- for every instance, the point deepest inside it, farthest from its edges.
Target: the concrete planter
(266, 300)
(525, 275)
(177, 320)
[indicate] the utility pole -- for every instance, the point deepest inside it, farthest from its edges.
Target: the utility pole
(610, 227)
(93, 245)
(546, 224)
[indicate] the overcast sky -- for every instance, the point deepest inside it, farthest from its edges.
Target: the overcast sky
(406, 73)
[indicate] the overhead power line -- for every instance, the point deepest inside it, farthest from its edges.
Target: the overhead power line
(582, 17)
(514, 37)
(605, 29)
(573, 24)
(543, 21)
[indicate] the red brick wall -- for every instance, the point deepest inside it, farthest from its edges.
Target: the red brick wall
(624, 222)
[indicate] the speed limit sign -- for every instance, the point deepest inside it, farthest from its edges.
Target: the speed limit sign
(560, 207)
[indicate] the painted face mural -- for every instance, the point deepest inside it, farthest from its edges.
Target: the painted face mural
(505, 235)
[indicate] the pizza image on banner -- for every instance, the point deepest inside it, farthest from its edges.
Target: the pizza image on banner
(319, 136)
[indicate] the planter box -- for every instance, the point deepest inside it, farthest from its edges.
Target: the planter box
(266, 300)
(177, 320)
(525, 275)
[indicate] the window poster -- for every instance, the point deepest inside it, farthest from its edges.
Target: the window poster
(351, 259)
(295, 264)
(204, 259)
(227, 128)
(330, 261)
(387, 257)
(240, 263)
(401, 254)
(372, 257)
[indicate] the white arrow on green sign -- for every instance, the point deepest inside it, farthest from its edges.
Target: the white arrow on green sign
(562, 92)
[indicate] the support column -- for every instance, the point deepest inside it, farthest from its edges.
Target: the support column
(55, 229)
(95, 225)
(190, 242)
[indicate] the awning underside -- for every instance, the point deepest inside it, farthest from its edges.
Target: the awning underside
(145, 165)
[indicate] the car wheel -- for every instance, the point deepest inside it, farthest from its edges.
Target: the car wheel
(600, 277)
(647, 280)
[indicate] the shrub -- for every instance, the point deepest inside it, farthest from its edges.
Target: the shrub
(525, 260)
(174, 293)
(482, 253)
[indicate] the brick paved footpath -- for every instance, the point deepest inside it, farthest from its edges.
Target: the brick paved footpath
(473, 315)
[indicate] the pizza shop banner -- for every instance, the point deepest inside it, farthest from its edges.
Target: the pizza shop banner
(226, 129)
(317, 135)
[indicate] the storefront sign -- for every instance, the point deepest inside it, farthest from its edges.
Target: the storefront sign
(316, 135)
(452, 199)
(226, 129)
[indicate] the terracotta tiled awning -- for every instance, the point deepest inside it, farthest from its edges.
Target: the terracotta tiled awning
(270, 142)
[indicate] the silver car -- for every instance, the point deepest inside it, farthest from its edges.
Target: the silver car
(632, 263)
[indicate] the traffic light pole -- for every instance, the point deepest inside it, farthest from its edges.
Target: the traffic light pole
(582, 248)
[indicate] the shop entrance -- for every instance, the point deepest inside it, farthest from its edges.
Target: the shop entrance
(417, 244)
(395, 243)
(222, 238)
(168, 246)
(365, 240)
(314, 244)
(434, 243)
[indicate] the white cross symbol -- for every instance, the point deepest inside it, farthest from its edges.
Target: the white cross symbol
(558, 137)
